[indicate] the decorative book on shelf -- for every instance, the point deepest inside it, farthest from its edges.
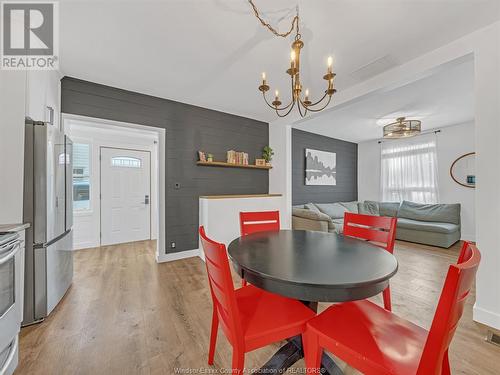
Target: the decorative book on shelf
(235, 157)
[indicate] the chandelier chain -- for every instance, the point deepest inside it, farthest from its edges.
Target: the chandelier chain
(295, 22)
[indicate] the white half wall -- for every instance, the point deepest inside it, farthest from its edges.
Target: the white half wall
(220, 216)
(452, 142)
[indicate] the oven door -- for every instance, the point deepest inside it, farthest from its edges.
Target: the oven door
(10, 293)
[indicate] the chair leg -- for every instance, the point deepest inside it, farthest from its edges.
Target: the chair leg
(243, 282)
(387, 298)
(213, 336)
(312, 351)
(238, 361)
(446, 370)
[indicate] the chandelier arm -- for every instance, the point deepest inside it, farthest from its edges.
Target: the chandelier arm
(319, 101)
(287, 113)
(320, 109)
(299, 107)
(272, 106)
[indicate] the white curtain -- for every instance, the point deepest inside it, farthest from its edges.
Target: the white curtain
(409, 170)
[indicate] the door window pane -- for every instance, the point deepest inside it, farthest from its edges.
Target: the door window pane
(81, 176)
(125, 161)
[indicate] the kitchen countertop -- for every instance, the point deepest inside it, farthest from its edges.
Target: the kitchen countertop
(239, 196)
(14, 227)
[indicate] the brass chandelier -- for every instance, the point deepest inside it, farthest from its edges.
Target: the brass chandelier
(402, 128)
(302, 101)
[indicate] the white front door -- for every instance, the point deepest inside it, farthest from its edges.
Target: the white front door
(125, 195)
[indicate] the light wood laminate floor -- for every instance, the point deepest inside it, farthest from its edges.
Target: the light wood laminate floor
(125, 314)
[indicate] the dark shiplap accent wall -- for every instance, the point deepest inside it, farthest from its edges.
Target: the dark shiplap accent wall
(188, 129)
(347, 169)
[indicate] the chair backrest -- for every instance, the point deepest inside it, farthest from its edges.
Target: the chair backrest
(379, 229)
(252, 222)
(456, 289)
(221, 287)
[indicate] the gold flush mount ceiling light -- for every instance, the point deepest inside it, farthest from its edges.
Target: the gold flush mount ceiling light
(402, 128)
(299, 99)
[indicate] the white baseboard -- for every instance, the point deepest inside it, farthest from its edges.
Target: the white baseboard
(486, 317)
(176, 256)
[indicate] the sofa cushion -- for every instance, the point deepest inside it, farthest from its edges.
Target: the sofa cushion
(312, 207)
(368, 208)
(443, 213)
(337, 210)
(427, 226)
(310, 214)
(334, 210)
(351, 206)
(389, 208)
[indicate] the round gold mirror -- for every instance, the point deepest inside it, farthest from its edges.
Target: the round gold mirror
(463, 170)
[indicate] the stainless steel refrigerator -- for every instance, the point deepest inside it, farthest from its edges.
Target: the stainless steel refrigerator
(48, 206)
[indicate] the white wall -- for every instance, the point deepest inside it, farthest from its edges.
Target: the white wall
(487, 115)
(452, 141)
(280, 182)
(12, 111)
(87, 224)
(22, 94)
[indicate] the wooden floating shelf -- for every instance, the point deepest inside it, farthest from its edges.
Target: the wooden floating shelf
(230, 165)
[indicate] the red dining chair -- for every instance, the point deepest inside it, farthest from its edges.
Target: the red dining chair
(380, 230)
(376, 341)
(250, 317)
(252, 222)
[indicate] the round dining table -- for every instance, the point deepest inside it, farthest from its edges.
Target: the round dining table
(311, 267)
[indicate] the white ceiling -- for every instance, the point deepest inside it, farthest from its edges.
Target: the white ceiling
(211, 52)
(442, 99)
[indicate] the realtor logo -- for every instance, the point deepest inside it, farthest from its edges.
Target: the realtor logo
(30, 35)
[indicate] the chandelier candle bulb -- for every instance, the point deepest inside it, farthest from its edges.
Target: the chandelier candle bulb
(263, 78)
(330, 64)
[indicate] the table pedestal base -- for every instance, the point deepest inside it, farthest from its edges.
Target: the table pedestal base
(290, 353)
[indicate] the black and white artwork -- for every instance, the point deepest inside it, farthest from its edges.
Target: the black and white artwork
(321, 167)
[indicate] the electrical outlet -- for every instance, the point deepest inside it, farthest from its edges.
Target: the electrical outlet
(172, 245)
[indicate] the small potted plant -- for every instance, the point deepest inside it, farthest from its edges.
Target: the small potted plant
(267, 155)
(210, 158)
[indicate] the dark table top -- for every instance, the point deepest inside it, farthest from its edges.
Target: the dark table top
(313, 266)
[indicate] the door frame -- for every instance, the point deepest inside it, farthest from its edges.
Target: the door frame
(150, 187)
(159, 153)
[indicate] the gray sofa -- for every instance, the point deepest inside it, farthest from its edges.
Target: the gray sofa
(430, 224)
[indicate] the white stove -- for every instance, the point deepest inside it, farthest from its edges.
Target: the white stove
(11, 299)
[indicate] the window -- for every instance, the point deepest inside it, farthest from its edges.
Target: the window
(81, 176)
(125, 161)
(409, 170)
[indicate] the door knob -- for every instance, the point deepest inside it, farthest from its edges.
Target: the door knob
(146, 199)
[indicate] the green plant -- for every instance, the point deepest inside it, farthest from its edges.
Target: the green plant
(267, 154)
